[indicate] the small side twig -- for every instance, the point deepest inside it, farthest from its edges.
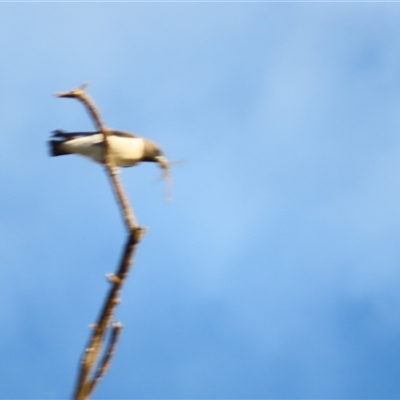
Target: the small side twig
(90, 370)
(105, 362)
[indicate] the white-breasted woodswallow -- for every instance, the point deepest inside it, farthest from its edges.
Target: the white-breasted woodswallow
(125, 148)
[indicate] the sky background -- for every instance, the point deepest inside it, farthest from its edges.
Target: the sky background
(275, 270)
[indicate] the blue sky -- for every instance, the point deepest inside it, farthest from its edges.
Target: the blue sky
(275, 270)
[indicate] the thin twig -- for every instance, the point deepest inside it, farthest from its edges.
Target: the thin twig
(80, 94)
(111, 169)
(126, 209)
(89, 375)
(105, 362)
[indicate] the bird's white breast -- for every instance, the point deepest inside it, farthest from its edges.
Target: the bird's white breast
(126, 151)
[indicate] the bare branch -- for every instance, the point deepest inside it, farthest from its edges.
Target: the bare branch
(93, 349)
(126, 209)
(88, 377)
(112, 170)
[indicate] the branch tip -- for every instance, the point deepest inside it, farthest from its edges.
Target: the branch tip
(73, 93)
(117, 325)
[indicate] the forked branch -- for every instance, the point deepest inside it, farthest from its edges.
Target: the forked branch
(91, 369)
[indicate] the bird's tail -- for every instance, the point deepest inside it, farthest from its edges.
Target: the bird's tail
(56, 149)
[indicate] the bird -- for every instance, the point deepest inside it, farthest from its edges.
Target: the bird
(126, 149)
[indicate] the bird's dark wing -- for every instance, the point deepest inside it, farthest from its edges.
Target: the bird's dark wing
(124, 134)
(71, 135)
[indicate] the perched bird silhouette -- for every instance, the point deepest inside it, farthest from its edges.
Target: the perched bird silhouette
(126, 149)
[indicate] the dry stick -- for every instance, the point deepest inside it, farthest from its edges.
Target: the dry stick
(112, 172)
(126, 211)
(85, 384)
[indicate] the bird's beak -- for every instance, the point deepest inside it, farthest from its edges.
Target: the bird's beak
(162, 162)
